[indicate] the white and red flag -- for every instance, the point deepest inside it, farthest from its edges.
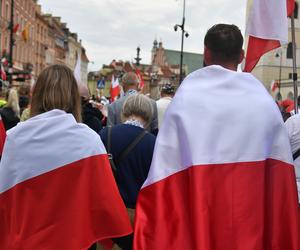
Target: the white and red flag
(274, 85)
(221, 176)
(2, 135)
(57, 190)
(141, 80)
(2, 70)
(267, 28)
(115, 88)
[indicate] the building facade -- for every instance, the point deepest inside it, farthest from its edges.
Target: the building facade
(40, 40)
(169, 60)
(24, 33)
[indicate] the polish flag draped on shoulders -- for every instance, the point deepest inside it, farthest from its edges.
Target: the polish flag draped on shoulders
(57, 190)
(267, 28)
(115, 88)
(221, 176)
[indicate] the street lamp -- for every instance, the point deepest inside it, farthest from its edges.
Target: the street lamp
(183, 34)
(279, 54)
(11, 44)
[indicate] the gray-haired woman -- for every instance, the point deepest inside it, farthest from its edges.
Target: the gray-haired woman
(131, 147)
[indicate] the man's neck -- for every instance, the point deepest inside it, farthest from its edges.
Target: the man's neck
(229, 66)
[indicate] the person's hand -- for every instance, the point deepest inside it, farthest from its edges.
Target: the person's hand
(100, 106)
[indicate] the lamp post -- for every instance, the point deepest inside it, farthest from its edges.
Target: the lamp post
(183, 34)
(279, 54)
(138, 59)
(11, 43)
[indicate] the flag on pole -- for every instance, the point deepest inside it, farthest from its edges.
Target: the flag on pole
(141, 80)
(57, 190)
(77, 70)
(290, 7)
(3, 73)
(274, 85)
(267, 28)
(223, 182)
(25, 33)
(15, 29)
(2, 135)
(115, 88)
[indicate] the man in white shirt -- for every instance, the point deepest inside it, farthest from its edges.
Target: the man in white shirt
(167, 93)
(293, 128)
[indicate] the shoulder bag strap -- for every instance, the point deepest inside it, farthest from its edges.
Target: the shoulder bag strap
(131, 146)
(110, 156)
(296, 154)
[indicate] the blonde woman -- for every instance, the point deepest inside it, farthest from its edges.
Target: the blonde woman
(11, 112)
(131, 147)
(52, 173)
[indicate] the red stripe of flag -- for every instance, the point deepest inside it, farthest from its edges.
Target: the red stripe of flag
(211, 207)
(68, 208)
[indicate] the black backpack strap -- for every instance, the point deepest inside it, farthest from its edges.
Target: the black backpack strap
(130, 146)
(296, 154)
(110, 156)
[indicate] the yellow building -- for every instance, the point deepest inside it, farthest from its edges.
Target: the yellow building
(277, 64)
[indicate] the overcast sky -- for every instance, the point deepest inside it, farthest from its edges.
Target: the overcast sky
(112, 29)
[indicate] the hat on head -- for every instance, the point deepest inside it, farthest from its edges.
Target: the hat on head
(168, 89)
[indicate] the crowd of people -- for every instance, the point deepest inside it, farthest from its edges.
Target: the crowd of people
(213, 166)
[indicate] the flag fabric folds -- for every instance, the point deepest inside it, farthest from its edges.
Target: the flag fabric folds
(267, 28)
(57, 190)
(115, 88)
(290, 7)
(221, 176)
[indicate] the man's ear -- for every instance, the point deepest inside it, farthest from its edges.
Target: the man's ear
(207, 57)
(242, 56)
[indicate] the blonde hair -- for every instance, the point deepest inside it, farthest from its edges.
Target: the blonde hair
(13, 101)
(137, 105)
(56, 88)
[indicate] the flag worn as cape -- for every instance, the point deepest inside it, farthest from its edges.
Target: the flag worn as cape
(221, 176)
(267, 28)
(57, 190)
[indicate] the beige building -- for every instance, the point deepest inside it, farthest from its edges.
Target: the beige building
(277, 64)
(74, 49)
(42, 41)
(24, 18)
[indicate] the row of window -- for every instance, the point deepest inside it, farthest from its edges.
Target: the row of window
(27, 5)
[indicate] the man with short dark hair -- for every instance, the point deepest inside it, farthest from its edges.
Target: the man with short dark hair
(130, 84)
(223, 46)
(221, 176)
(166, 95)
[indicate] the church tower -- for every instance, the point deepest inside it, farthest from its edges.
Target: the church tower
(154, 49)
(277, 64)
